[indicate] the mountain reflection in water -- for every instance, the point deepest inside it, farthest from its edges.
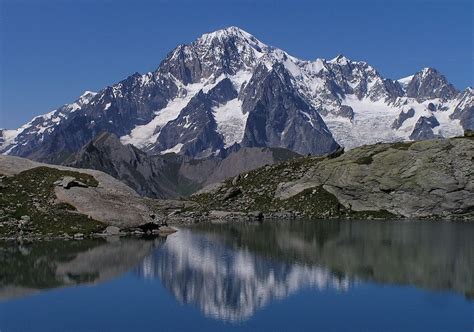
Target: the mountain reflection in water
(231, 271)
(227, 282)
(32, 267)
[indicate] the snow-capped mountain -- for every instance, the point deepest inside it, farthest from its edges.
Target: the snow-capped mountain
(228, 88)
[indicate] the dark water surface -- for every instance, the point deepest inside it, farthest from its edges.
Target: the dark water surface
(288, 276)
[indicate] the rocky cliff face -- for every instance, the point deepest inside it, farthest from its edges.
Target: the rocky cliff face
(431, 178)
(279, 116)
(464, 110)
(229, 88)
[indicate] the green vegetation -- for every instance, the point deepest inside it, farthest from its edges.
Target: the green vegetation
(314, 202)
(402, 145)
(31, 194)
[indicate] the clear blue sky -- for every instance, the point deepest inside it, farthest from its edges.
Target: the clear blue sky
(53, 50)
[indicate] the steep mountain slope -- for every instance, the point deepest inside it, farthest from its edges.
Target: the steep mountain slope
(170, 175)
(229, 88)
(156, 177)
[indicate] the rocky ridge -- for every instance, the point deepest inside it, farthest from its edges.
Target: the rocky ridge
(432, 178)
(170, 175)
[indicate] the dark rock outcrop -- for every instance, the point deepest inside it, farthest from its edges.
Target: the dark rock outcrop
(402, 117)
(194, 131)
(424, 128)
(464, 110)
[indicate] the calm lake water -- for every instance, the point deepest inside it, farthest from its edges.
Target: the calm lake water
(288, 276)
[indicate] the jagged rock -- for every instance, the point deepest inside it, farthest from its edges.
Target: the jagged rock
(345, 112)
(402, 117)
(424, 128)
(464, 110)
(231, 193)
(274, 104)
(429, 83)
(235, 180)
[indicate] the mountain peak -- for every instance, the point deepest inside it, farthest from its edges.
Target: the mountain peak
(340, 59)
(226, 51)
(429, 83)
(428, 71)
(229, 33)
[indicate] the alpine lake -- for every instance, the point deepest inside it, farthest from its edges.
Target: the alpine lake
(316, 275)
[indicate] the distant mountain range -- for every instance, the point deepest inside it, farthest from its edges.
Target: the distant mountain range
(228, 90)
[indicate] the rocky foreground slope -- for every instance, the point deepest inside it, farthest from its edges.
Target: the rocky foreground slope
(48, 201)
(433, 178)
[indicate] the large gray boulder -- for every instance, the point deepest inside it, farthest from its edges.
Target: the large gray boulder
(420, 179)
